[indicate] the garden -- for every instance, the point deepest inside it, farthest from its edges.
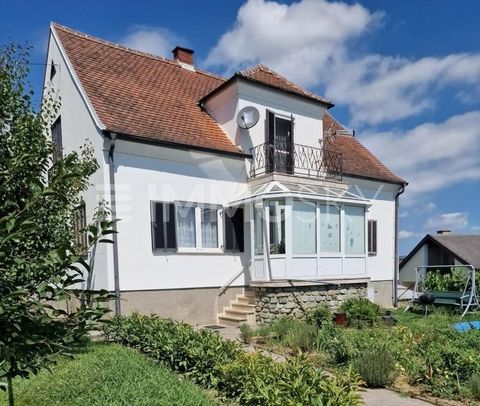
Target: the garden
(406, 351)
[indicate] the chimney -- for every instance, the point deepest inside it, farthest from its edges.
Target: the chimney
(444, 232)
(183, 55)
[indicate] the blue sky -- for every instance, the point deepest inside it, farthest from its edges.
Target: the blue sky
(404, 74)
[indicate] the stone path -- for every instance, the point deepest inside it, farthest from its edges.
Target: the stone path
(372, 397)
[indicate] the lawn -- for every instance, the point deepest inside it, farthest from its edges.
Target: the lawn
(110, 375)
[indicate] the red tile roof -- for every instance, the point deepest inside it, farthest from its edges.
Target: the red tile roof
(357, 160)
(139, 94)
(156, 99)
(263, 74)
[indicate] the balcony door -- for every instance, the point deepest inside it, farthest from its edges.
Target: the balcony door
(280, 146)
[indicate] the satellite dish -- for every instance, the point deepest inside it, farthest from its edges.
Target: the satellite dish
(248, 117)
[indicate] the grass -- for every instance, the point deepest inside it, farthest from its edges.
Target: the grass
(107, 374)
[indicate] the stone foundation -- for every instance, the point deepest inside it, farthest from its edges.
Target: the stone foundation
(273, 302)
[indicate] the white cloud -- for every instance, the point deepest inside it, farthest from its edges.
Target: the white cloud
(405, 234)
(313, 42)
(448, 221)
(154, 40)
(431, 156)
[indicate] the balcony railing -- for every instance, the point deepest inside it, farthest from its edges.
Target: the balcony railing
(296, 159)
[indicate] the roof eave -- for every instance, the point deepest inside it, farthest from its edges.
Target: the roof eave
(395, 182)
(238, 76)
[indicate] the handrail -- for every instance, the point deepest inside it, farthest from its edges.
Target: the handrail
(222, 290)
(283, 157)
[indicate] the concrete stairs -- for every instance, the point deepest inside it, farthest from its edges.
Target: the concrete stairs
(241, 310)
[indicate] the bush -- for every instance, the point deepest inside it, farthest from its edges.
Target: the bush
(250, 379)
(332, 341)
(474, 386)
(246, 333)
(377, 368)
(302, 337)
(320, 316)
(360, 312)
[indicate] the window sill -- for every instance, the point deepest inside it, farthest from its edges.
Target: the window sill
(200, 251)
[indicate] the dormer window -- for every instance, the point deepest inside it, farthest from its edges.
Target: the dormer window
(280, 145)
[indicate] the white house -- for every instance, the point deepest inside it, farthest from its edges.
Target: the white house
(237, 198)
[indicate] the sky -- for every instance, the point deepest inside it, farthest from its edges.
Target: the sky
(404, 74)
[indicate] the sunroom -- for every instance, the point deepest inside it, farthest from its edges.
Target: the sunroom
(305, 232)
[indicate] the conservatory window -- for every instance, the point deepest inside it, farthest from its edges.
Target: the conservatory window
(354, 230)
(329, 228)
(304, 227)
(258, 228)
(276, 210)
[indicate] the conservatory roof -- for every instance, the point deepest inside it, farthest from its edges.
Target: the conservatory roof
(276, 189)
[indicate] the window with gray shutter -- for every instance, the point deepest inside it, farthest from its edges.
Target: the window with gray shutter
(163, 225)
(372, 237)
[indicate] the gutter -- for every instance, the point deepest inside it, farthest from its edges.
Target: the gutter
(113, 208)
(396, 271)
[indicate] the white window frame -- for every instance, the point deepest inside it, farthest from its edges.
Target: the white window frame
(198, 249)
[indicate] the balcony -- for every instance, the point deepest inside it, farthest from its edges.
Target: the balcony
(296, 159)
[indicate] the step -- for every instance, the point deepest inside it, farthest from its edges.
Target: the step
(245, 300)
(248, 308)
(230, 320)
(228, 311)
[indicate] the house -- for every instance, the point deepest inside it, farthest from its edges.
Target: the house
(238, 199)
(444, 249)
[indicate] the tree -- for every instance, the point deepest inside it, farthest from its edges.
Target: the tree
(42, 267)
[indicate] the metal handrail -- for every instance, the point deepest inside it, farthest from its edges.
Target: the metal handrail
(298, 159)
(222, 290)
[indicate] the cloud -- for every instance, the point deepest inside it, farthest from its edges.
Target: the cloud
(431, 156)
(315, 43)
(154, 40)
(448, 221)
(402, 234)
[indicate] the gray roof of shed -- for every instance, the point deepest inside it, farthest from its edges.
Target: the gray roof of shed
(466, 247)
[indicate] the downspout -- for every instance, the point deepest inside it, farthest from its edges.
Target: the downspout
(116, 277)
(396, 270)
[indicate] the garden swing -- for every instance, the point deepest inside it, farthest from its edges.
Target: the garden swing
(445, 285)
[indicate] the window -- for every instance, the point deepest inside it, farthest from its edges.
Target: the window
(233, 220)
(258, 228)
(186, 226)
(57, 140)
(163, 225)
(209, 228)
(279, 139)
(329, 228)
(372, 237)
(354, 230)
(304, 227)
(276, 210)
(80, 225)
(53, 70)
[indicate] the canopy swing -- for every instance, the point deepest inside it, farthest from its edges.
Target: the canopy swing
(428, 287)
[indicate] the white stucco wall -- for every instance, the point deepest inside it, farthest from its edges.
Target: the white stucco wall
(78, 129)
(149, 173)
(408, 272)
(224, 106)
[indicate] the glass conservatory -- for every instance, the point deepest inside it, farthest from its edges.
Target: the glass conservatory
(305, 232)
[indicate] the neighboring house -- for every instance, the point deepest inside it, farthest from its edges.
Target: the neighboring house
(280, 214)
(441, 249)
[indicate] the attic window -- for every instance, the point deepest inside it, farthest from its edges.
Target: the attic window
(53, 70)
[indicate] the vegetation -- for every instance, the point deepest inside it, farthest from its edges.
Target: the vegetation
(41, 265)
(250, 379)
(108, 375)
(474, 386)
(361, 312)
(426, 353)
(320, 316)
(377, 368)
(445, 280)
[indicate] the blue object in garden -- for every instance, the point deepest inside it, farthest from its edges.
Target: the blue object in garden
(466, 326)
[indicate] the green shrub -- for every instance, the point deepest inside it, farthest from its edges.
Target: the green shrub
(474, 386)
(360, 312)
(377, 368)
(320, 316)
(444, 280)
(301, 337)
(282, 327)
(250, 379)
(332, 341)
(246, 333)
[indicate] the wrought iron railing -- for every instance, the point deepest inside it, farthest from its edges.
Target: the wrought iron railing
(296, 159)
